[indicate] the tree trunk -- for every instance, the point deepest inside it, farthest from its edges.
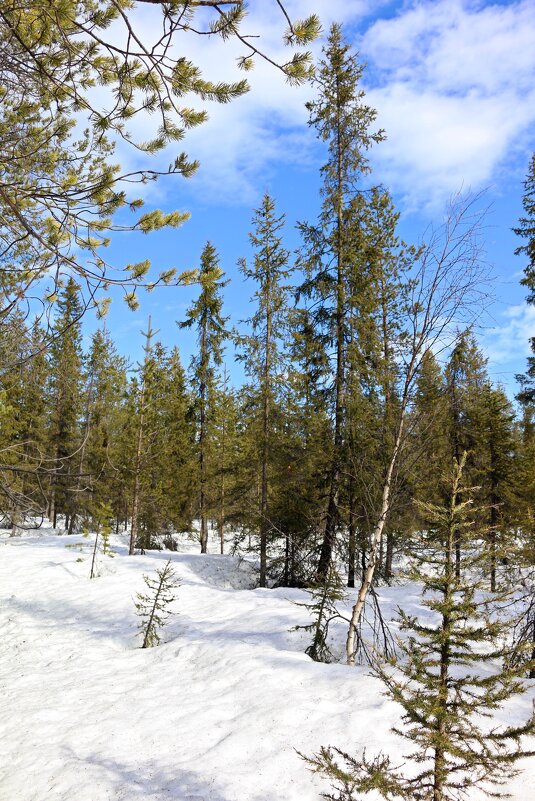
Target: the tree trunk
(389, 554)
(202, 445)
(352, 543)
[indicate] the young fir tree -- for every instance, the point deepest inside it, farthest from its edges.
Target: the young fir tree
(65, 400)
(343, 122)
(441, 679)
(322, 607)
(205, 316)
(103, 520)
(153, 607)
(261, 349)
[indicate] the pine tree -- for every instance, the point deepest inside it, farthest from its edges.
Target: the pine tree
(153, 608)
(262, 347)
(437, 678)
(205, 316)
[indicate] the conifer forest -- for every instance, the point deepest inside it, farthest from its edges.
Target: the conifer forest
(267, 521)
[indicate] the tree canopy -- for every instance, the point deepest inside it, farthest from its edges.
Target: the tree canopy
(74, 77)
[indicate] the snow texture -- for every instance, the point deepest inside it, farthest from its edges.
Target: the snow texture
(217, 712)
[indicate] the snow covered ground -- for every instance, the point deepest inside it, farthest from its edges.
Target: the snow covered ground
(217, 712)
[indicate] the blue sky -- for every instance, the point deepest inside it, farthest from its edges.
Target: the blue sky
(453, 82)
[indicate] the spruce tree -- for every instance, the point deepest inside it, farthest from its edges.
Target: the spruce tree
(226, 431)
(440, 676)
(305, 450)
(466, 377)
(174, 446)
(205, 315)
(261, 349)
(65, 401)
(343, 122)
(497, 473)
(103, 479)
(146, 370)
(526, 230)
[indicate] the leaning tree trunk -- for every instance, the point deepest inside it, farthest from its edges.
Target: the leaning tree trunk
(373, 558)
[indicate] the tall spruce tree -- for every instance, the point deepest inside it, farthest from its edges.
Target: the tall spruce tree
(65, 399)
(146, 371)
(376, 301)
(23, 428)
(205, 316)
(174, 447)
(343, 121)
(261, 349)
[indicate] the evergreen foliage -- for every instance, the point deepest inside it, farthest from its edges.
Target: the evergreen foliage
(205, 315)
(262, 352)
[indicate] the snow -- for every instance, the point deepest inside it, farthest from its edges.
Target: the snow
(217, 712)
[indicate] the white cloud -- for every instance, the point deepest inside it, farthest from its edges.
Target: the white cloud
(455, 92)
(453, 82)
(509, 342)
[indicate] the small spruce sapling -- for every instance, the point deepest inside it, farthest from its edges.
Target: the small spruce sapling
(153, 608)
(446, 681)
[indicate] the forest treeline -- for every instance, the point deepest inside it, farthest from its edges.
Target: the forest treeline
(362, 375)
